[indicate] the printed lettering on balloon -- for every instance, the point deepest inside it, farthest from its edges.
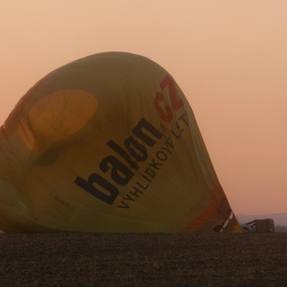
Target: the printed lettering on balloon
(165, 109)
(116, 170)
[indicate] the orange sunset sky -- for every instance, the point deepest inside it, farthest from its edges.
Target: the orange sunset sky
(229, 57)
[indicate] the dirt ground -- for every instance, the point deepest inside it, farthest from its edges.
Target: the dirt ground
(72, 259)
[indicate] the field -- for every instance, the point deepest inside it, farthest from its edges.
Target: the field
(72, 259)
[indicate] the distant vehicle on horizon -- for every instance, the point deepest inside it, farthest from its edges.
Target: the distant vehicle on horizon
(260, 225)
(280, 219)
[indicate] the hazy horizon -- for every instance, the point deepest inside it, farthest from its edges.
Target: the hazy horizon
(229, 58)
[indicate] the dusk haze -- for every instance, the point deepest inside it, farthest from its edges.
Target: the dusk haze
(228, 57)
(143, 143)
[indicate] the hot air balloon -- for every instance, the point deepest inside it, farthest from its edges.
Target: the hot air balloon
(108, 143)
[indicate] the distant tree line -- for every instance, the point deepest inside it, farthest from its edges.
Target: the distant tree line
(280, 228)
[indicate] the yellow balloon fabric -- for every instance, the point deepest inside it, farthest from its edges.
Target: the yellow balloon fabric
(108, 143)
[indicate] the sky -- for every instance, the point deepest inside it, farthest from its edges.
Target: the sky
(229, 58)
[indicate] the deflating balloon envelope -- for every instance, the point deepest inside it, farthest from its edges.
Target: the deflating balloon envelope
(108, 143)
